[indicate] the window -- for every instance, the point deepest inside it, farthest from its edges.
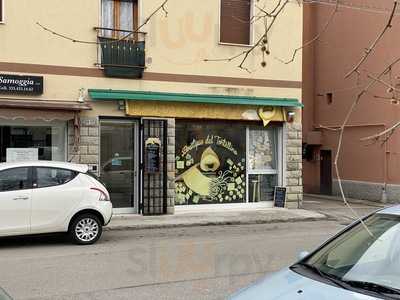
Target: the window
(235, 22)
(210, 163)
(14, 179)
(329, 98)
(47, 177)
(118, 164)
(48, 138)
(119, 15)
(1, 11)
(262, 163)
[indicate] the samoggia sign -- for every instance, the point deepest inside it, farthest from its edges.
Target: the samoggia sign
(15, 84)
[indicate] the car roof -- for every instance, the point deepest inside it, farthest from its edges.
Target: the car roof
(392, 210)
(45, 163)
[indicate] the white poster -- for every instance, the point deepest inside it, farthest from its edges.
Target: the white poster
(22, 154)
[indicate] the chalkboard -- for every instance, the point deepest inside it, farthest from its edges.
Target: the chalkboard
(152, 158)
(279, 196)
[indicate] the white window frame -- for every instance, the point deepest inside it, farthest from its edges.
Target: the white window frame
(279, 168)
(252, 27)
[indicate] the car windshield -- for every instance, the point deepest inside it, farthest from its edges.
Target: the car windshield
(363, 260)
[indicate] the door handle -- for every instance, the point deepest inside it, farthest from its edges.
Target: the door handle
(21, 198)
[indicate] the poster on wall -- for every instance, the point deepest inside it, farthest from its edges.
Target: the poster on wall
(210, 163)
(22, 154)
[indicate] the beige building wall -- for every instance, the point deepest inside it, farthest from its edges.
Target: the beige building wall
(177, 44)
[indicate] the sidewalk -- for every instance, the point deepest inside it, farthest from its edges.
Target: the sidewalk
(214, 217)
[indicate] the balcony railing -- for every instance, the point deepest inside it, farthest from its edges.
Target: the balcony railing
(119, 56)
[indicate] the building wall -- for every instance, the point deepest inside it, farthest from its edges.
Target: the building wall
(176, 48)
(324, 67)
(176, 44)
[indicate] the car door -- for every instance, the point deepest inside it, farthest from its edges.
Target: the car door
(15, 200)
(56, 193)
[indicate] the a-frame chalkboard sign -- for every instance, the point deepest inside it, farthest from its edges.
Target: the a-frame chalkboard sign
(280, 196)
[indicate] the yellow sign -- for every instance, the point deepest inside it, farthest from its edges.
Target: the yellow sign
(205, 111)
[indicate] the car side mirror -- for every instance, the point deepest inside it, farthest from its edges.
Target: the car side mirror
(302, 254)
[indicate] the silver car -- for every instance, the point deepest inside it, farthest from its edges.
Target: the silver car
(4, 295)
(356, 264)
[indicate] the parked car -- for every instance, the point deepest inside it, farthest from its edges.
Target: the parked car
(355, 264)
(4, 295)
(45, 196)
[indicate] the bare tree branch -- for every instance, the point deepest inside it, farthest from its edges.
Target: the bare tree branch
(316, 38)
(390, 130)
(162, 7)
(368, 51)
(390, 87)
(340, 142)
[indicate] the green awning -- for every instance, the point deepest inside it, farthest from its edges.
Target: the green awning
(101, 94)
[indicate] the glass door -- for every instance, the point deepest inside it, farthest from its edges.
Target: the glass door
(118, 163)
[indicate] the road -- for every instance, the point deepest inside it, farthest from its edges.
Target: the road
(179, 263)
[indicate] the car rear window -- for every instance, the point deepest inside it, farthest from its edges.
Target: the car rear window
(46, 177)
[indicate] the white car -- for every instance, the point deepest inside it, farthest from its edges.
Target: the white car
(45, 196)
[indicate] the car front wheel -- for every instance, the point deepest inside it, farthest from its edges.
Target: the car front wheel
(85, 229)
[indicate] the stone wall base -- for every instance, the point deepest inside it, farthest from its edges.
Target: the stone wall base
(367, 190)
(294, 182)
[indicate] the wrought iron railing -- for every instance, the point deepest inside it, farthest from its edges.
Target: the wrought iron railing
(121, 53)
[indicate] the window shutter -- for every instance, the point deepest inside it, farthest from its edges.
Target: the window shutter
(235, 21)
(1, 10)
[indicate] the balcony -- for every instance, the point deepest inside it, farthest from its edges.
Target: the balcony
(121, 53)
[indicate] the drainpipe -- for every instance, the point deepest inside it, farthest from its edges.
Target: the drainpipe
(385, 172)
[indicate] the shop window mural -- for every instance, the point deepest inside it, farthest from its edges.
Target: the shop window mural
(210, 163)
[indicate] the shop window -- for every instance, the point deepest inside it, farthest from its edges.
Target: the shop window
(263, 147)
(235, 25)
(210, 162)
(14, 180)
(120, 16)
(47, 177)
(226, 162)
(263, 163)
(49, 139)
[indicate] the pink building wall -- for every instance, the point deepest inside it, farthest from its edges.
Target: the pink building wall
(365, 167)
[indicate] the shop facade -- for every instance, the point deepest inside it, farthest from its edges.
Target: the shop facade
(224, 155)
(158, 156)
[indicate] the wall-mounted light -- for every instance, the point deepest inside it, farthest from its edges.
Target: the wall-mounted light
(290, 116)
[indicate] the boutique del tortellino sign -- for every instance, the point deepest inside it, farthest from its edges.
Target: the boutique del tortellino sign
(16, 84)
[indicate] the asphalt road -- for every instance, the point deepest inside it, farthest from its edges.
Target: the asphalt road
(189, 263)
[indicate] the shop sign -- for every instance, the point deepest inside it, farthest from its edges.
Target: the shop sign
(152, 151)
(22, 154)
(15, 84)
(280, 196)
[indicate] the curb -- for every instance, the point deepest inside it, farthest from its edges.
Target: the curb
(339, 199)
(216, 223)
